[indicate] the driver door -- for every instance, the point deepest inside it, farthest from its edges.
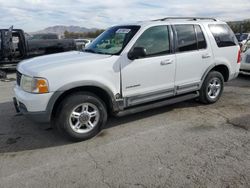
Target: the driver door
(152, 77)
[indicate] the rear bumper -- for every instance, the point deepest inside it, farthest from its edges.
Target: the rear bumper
(233, 76)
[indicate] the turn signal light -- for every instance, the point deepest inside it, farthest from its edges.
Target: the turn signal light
(42, 86)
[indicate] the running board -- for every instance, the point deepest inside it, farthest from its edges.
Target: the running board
(158, 104)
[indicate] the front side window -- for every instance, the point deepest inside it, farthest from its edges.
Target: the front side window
(223, 35)
(155, 41)
(186, 38)
(113, 40)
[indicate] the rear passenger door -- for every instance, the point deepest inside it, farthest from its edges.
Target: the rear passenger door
(193, 56)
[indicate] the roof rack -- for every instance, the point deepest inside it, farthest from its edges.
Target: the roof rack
(186, 18)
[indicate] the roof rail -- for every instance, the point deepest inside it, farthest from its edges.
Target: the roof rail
(185, 18)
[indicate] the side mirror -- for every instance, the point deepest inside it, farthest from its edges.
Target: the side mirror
(136, 53)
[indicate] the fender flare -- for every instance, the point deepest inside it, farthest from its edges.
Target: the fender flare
(57, 94)
(208, 70)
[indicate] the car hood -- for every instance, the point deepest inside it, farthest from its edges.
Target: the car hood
(38, 64)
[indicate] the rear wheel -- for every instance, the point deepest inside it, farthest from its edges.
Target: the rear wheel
(212, 88)
(81, 116)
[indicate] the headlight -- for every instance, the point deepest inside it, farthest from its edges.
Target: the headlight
(34, 85)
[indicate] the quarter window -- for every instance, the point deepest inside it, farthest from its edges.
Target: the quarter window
(155, 40)
(223, 35)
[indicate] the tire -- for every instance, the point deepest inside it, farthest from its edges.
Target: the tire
(212, 88)
(81, 116)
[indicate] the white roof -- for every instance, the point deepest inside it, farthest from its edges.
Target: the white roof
(177, 20)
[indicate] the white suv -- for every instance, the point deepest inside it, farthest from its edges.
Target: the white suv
(128, 69)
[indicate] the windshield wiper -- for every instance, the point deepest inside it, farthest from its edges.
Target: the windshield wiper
(103, 53)
(96, 52)
(90, 50)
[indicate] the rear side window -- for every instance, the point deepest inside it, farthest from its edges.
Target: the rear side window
(186, 38)
(200, 38)
(223, 35)
(155, 40)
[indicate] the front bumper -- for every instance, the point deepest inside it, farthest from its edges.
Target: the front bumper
(40, 117)
(33, 106)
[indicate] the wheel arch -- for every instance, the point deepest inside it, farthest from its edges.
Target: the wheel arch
(221, 68)
(99, 90)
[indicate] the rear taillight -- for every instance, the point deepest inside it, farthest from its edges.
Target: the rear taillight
(239, 57)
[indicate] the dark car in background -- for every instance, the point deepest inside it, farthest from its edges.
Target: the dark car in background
(242, 37)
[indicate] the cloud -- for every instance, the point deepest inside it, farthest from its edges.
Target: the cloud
(32, 15)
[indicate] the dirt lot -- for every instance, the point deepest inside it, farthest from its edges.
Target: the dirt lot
(184, 145)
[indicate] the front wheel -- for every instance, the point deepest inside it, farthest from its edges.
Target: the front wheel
(81, 116)
(212, 88)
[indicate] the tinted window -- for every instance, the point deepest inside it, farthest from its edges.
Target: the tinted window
(155, 40)
(223, 35)
(200, 38)
(186, 38)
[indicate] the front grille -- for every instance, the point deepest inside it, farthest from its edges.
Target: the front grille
(18, 78)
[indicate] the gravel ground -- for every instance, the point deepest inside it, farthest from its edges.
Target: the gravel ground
(183, 145)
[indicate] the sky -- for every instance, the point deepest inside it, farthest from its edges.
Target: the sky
(34, 15)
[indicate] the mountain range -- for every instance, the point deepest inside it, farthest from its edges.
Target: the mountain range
(60, 29)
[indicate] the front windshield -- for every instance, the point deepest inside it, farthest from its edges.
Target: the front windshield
(113, 40)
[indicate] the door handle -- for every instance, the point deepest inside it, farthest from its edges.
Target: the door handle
(205, 56)
(167, 62)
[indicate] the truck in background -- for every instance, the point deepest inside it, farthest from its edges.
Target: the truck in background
(15, 47)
